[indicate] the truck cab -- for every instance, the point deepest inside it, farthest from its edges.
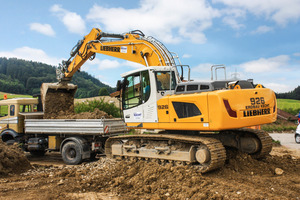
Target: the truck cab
(11, 118)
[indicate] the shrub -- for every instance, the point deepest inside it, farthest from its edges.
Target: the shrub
(89, 106)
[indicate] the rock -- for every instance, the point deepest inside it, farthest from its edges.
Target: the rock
(60, 182)
(278, 171)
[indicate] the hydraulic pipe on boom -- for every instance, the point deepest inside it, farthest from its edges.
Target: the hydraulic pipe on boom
(132, 46)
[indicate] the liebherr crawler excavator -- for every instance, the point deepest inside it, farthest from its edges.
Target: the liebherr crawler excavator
(198, 119)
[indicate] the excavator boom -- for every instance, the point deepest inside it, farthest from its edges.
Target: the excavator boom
(132, 46)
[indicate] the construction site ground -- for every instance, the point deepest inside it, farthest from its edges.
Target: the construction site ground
(275, 177)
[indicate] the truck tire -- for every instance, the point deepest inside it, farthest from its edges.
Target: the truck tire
(297, 138)
(71, 153)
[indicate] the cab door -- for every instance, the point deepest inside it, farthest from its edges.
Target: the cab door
(139, 97)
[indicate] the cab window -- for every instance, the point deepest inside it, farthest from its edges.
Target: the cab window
(12, 110)
(136, 89)
(146, 86)
(165, 80)
(25, 108)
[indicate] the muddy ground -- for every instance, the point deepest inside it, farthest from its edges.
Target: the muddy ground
(241, 178)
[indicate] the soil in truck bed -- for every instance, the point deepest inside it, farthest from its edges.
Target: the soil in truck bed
(60, 105)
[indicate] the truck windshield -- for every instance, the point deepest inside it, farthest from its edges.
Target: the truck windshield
(164, 81)
(3, 111)
(25, 108)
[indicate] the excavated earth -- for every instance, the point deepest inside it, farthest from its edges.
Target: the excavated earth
(242, 177)
(60, 105)
(26, 177)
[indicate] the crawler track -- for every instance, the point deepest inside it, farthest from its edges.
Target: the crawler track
(216, 150)
(262, 136)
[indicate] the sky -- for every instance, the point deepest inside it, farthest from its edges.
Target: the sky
(255, 39)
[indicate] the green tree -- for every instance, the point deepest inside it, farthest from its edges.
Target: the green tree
(25, 77)
(103, 92)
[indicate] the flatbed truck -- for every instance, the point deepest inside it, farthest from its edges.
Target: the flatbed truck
(76, 139)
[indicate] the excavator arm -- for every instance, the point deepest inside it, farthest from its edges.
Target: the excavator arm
(132, 46)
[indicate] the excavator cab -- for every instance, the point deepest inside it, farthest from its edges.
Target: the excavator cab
(142, 88)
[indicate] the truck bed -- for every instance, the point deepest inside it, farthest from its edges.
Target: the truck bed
(75, 126)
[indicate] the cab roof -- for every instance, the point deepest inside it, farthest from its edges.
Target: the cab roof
(19, 101)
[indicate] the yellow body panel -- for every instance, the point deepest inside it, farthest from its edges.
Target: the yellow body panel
(54, 142)
(252, 107)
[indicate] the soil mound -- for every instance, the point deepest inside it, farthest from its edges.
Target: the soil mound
(96, 114)
(12, 160)
(60, 105)
(242, 177)
(58, 102)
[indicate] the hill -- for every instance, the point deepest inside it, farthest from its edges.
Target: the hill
(295, 94)
(25, 77)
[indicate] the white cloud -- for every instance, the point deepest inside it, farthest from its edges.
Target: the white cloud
(33, 54)
(170, 20)
(279, 11)
(45, 29)
(186, 56)
(296, 54)
(231, 16)
(73, 21)
(203, 67)
(265, 64)
(278, 87)
(133, 64)
(233, 23)
(107, 64)
(262, 30)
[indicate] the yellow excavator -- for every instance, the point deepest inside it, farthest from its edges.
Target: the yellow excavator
(196, 120)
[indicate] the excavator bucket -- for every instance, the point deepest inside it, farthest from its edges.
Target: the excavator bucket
(57, 98)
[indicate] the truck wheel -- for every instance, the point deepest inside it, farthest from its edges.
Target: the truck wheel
(38, 153)
(297, 138)
(10, 142)
(71, 153)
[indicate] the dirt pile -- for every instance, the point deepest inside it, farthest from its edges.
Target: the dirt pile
(12, 160)
(241, 178)
(60, 105)
(96, 114)
(58, 102)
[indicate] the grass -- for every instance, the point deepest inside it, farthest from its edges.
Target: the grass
(11, 96)
(289, 105)
(280, 126)
(89, 106)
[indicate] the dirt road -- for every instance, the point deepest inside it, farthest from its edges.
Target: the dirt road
(286, 139)
(241, 178)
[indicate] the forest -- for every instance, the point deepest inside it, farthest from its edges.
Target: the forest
(295, 94)
(19, 76)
